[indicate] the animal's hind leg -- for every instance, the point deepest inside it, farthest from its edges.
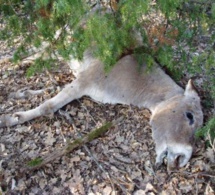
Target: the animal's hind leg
(69, 93)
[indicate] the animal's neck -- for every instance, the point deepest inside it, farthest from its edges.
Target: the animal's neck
(157, 88)
(156, 100)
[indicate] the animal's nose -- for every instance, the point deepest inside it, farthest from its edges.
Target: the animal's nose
(174, 161)
(178, 158)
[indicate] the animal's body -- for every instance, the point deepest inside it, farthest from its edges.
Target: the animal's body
(176, 113)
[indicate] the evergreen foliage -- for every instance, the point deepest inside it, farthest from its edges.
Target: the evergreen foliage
(208, 131)
(181, 23)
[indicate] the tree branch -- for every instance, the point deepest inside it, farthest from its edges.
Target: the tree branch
(70, 146)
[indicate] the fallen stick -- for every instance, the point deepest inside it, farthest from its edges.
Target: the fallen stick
(70, 146)
(26, 93)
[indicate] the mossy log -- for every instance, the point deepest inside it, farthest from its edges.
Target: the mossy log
(70, 146)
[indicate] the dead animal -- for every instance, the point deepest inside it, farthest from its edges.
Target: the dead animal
(176, 113)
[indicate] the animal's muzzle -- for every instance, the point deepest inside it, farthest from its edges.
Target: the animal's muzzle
(177, 156)
(176, 160)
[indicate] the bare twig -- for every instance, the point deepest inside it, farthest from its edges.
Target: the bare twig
(25, 93)
(204, 174)
(211, 141)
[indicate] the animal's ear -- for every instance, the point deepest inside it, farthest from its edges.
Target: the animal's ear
(190, 89)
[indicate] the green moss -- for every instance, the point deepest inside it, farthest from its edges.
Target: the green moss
(98, 132)
(89, 137)
(35, 162)
(74, 144)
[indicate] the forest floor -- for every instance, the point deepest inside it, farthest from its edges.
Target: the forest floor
(120, 162)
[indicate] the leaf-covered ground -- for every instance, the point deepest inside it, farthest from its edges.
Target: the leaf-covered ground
(120, 162)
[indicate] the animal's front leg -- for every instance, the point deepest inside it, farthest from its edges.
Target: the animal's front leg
(69, 93)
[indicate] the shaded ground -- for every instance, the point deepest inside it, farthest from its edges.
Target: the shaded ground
(120, 162)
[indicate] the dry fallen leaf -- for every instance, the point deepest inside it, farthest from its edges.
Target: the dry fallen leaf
(185, 187)
(75, 184)
(50, 139)
(139, 192)
(107, 190)
(209, 190)
(210, 154)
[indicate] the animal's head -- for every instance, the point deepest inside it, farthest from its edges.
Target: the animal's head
(173, 126)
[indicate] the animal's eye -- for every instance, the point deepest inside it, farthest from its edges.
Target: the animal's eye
(189, 115)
